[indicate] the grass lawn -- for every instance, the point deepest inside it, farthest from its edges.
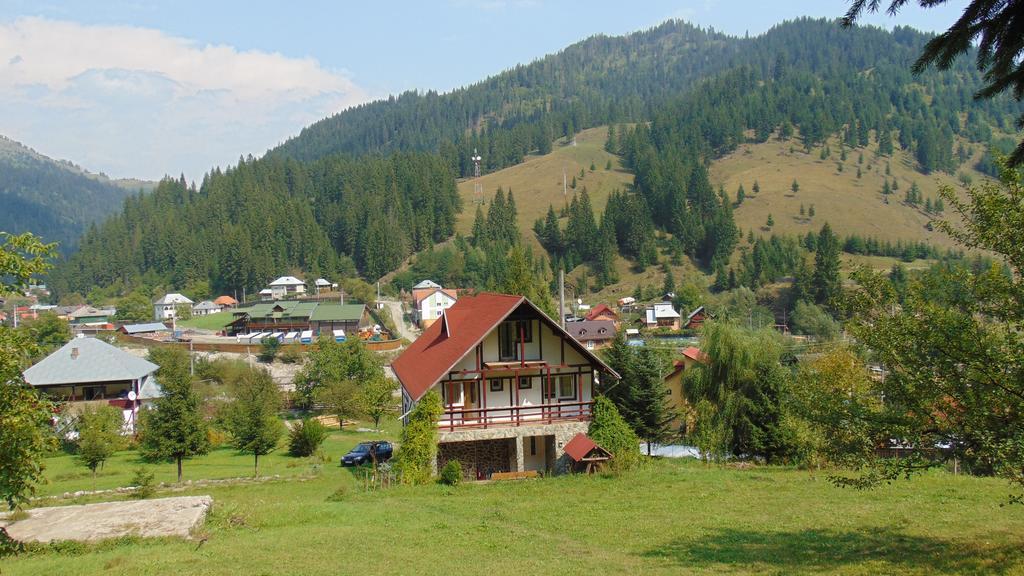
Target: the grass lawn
(213, 322)
(672, 517)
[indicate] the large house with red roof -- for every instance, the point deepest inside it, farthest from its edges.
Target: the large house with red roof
(516, 387)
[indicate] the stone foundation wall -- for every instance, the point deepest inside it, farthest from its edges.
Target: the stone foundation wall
(513, 436)
(480, 456)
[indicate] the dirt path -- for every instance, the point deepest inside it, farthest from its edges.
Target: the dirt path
(175, 516)
(405, 330)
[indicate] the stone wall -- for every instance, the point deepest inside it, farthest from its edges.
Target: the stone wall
(479, 456)
(562, 433)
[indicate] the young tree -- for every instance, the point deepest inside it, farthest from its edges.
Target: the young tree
(341, 398)
(417, 450)
(610, 431)
(795, 186)
(378, 399)
(770, 222)
(252, 418)
(756, 188)
(741, 195)
(810, 211)
(330, 362)
(174, 429)
(48, 331)
(99, 435)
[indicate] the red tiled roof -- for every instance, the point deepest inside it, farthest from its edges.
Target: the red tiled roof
(419, 294)
(694, 353)
(225, 301)
(599, 310)
(456, 333)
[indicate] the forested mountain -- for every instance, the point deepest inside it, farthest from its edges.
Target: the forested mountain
(360, 191)
(53, 199)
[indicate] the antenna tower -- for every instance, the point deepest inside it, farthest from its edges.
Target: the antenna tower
(478, 188)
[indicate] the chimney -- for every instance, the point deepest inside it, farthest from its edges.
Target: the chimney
(74, 353)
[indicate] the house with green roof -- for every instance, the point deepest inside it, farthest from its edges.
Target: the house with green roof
(297, 316)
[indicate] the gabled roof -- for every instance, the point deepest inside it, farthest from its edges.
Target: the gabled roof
(143, 328)
(581, 446)
(332, 312)
(591, 330)
(173, 298)
(599, 310)
(694, 353)
(426, 284)
(206, 305)
(421, 294)
(322, 282)
(88, 311)
(225, 301)
(287, 281)
(462, 327)
(88, 360)
(699, 310)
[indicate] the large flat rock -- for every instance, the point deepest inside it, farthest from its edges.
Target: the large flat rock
(90, 522)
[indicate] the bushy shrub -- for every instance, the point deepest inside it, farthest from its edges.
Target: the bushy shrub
(305, 437)
(269, 347)
(451, 474)
(610, 431)
(291, 354)
(143, 482)
(418, 448)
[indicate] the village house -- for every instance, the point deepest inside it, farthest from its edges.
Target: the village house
(166, 308)
(429, 301)
(696, 318)
(88, 370)
(266, 295)
(287, 287)
(225, 302)
(603, 312)
(594, 334)
(324, 285)
(205, 308)
(661, 315)
(295, 316)
(690, 357)
(516, 387)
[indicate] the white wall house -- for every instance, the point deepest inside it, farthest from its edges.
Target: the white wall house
(205, 308)
(287, 287)
(167, 307)
(516, 387)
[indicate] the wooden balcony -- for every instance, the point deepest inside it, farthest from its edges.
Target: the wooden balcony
(504, 416)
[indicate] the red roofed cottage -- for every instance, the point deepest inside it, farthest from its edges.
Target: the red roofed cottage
(516, 387)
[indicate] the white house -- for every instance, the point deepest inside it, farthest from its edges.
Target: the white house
(287, 287)
(661, 315)
(167, 307)
(430, 300)
(266, 295)
(205, 308)
(324, 285)
(516, 387)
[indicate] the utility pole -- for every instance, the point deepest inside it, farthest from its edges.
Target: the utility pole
(561, 298)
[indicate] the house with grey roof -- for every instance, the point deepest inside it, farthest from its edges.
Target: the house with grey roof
(594, 334)
(167, 307)
(88, 370)
(205, 308)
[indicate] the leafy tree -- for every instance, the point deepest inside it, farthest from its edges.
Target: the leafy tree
(742, 386)
(609, 430)
(814, 321)
(174, 429)
(251, 417)
(952, 347)
(341, 398)
(330, 362)
(99, 435)
(378, 399)
(417, 451)
(999, 48)
(135, 307)
(48, 331)
(269, 347)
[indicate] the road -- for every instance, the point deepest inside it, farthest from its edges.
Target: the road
(405, 330)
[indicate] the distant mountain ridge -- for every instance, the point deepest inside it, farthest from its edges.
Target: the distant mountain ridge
(55, 199)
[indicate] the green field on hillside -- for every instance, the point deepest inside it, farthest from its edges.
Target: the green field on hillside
(671, 517)
(212, 322)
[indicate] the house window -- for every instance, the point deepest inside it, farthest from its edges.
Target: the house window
(533, 445)
(590, 344)
(496, 385)
(567, 387)
(525, 382)
(508, 341)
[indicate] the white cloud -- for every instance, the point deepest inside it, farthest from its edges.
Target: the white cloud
(137, 102)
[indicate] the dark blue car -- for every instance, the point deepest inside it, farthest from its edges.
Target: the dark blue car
(361, 453)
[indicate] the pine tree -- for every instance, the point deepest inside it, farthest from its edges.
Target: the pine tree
(886, 190)
(895, 184)
(669, 286)
(611, 144)
(810, 211)
(795, 186)
(858, 172)
(770, 222)
(826, 283)
(802, 211)
(756, 188)
(573, 183)
(608, 165)
(741, 194)
(479, 227)
(592, 166)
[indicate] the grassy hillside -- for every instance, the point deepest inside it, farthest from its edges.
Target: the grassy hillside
(672, 517)
(537, 182)
(849, 204)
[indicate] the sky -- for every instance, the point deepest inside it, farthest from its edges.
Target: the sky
(134, 88)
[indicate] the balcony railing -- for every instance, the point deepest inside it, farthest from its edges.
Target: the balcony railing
(504, 416)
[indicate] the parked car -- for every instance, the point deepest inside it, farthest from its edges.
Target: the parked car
(361, 453)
